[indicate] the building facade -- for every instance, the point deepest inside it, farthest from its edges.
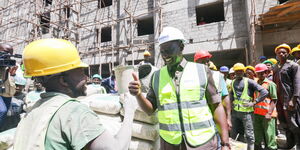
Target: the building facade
(117, 32)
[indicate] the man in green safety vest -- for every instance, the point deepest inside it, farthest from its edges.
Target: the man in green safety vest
(242, 100)
(184, 93)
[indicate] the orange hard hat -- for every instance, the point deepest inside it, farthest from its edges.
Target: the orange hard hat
(201, 55)
(261, 68)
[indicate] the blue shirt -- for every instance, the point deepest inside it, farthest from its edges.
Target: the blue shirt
(224, 91)
(109, 85)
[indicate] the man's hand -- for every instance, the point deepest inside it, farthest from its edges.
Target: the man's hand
(291, 104)
(12, 70)
(135, 86)
(225, 148)
(268, 116)
(229, 124)
(250, 104)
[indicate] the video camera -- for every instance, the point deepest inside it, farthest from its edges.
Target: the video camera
(6, 61)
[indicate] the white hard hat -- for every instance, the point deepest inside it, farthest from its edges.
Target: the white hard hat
(20, 80)
(231, 70)
(170, 34)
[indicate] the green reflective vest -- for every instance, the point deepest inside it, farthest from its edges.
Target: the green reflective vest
(238, 102)
(186, 112)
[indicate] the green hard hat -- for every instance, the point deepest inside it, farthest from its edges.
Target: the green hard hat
(97, 76)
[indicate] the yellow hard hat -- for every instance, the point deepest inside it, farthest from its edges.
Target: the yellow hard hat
(238, 66)
(283, 46)
(50, 56)
(295, 49)
(249, 67)
(147, 53)
(212, 66)
(273, 60)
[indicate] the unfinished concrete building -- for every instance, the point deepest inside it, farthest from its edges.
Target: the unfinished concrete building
(112, 32)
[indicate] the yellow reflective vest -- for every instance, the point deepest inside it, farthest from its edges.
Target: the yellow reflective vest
(186, 112)
(238, 102)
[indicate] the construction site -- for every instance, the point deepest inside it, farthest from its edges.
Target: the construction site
(111, 32)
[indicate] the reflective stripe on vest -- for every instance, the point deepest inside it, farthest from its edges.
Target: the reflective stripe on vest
(217, 76)
(262, 108)
(186, 112)
(238, 102)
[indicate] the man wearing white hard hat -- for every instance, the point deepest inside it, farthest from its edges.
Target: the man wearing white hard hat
(187, 102)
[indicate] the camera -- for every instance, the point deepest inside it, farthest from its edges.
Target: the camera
(5, 59)
(5, 62)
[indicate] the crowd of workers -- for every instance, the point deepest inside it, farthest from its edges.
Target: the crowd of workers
(198, 106)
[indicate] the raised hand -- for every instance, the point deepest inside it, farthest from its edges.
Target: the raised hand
(135, 86)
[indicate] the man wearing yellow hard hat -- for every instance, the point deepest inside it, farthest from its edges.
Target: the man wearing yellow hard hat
(147, 58)
(287, 78)
(296, 53)
(58, 120)
(250, 72)
(242, 95)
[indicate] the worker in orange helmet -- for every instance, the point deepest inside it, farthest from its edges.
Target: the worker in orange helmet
(265, 111)
(203, 57)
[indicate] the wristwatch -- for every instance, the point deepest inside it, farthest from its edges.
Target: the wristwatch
(225, 144)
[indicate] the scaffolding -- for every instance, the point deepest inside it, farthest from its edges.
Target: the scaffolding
(81, 22)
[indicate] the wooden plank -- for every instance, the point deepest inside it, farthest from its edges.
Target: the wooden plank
(291, 18)
(285, 5)
(286, 11)
(270, 13)
(268, 17)
(279, 18)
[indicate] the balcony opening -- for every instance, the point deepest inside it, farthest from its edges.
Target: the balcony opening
(145, 26)
(104, 3)
(105, 34)
(210, 13)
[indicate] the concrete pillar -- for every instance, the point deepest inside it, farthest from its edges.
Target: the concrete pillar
(158, 62)
(255, 45)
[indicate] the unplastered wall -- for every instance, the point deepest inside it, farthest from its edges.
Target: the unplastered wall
(14, 29)
(223, 35)
(121, 32)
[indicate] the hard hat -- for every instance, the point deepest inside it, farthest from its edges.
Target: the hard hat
(170, 34)
(249, 67)
(201, 54)
(224, 69)
(283, 46)
(212, 66)
(97, 76)
(273, 60)
(268, 61)
(295, 49)
(231, 70)
(261, 68)
(20, 80)
(147, 53)
(238, 66)
(262, 57)
(50, 56)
